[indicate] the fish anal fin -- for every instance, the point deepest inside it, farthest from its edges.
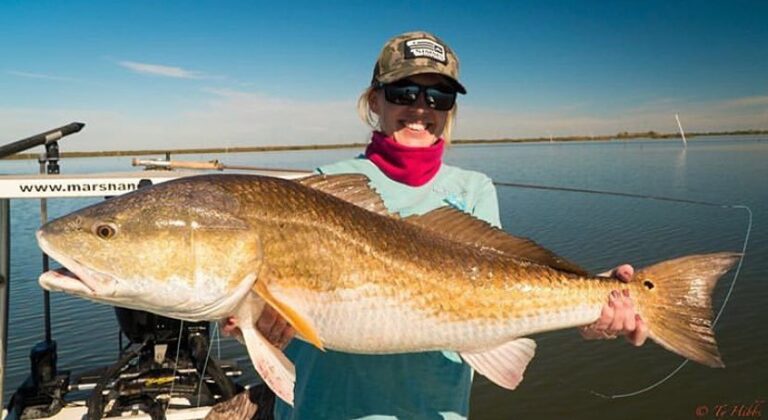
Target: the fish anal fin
(271, 364)
(503, 365)
(353, 188)
(464, 228)
(301, 325)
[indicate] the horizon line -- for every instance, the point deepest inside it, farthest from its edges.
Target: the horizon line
(255, 149)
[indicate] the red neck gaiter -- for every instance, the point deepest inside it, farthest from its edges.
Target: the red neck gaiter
(414, 166)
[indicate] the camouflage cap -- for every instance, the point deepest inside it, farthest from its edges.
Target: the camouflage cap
(416, 53)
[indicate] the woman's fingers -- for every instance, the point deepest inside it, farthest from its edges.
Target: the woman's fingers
(277, 330)
(626, 321)
(599, 329)
(266, 321)
(616, 301)
(229, 326)
(623, 272)
(606, 317)
(623, 312)
(286, 337)
(274, 327)
(618, 317)
(640, 334)
(629, 315)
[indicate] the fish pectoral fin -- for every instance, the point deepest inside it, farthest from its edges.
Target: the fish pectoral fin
(503, 365)
(301, 325)
(271, 364)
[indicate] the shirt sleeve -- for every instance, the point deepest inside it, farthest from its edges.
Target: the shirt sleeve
(487, 203)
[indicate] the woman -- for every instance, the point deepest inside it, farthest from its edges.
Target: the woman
(411, 106)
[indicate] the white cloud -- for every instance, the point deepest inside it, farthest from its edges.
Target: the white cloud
(30, 75)
(161, 70)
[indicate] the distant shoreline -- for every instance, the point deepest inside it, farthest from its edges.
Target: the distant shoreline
(246, 149)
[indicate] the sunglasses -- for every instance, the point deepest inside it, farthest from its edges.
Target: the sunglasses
(439, 98)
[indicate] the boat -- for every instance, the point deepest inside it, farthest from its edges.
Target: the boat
(164, 368)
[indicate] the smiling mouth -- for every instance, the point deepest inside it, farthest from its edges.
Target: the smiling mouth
(416, 126)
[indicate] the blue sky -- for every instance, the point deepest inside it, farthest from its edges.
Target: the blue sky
(228, 73)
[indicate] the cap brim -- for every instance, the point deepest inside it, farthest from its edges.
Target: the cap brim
(403, 73)
(459, 87)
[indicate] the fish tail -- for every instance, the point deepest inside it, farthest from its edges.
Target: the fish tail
(676, 303)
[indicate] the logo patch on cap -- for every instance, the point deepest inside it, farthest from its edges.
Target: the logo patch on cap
(421, 48)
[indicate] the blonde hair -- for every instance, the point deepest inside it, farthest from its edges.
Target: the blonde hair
(372, 120)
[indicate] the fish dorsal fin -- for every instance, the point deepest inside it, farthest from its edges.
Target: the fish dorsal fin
(462, 227)
(354, 188)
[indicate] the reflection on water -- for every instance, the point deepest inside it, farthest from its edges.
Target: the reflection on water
(680, 170)
(596, 231)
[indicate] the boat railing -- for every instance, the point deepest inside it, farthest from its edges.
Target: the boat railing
(50, 140)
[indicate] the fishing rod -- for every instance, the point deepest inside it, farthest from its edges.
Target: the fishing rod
(658, 198)
(613, 193)
(213, 165)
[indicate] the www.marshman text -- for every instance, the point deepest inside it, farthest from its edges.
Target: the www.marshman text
(100, 187)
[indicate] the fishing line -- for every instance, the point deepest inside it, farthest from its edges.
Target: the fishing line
(658, 198)
(218, 340)
(205, 365)
(175, 366)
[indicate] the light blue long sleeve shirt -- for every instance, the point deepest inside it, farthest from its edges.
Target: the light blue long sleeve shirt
(427, 385)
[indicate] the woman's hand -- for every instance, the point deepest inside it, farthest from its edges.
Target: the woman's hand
(270, 324)
(618, 316)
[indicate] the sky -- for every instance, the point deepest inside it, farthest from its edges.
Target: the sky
(183, 74)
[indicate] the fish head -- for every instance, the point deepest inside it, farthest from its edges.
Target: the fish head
(177, 249)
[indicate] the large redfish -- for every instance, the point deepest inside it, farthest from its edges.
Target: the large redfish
(348, 276)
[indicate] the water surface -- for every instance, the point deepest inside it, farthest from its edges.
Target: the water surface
(596, 231)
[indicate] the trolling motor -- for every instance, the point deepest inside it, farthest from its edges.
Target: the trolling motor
(42, 393)
(164, 357)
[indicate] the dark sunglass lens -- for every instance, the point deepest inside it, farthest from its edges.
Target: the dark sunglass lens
(401, 95)
(439, 99)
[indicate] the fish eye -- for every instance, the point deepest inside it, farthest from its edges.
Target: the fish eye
(105, 230)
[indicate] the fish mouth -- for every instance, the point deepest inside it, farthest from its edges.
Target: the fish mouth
(63, 280)
(75, 277)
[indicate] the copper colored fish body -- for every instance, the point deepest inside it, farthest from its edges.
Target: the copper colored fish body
(348, 276)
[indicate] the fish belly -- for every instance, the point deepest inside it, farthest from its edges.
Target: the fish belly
(366, 320)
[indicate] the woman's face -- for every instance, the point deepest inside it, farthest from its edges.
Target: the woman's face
(415, 125)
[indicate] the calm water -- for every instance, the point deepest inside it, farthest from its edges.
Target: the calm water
(597, 231)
